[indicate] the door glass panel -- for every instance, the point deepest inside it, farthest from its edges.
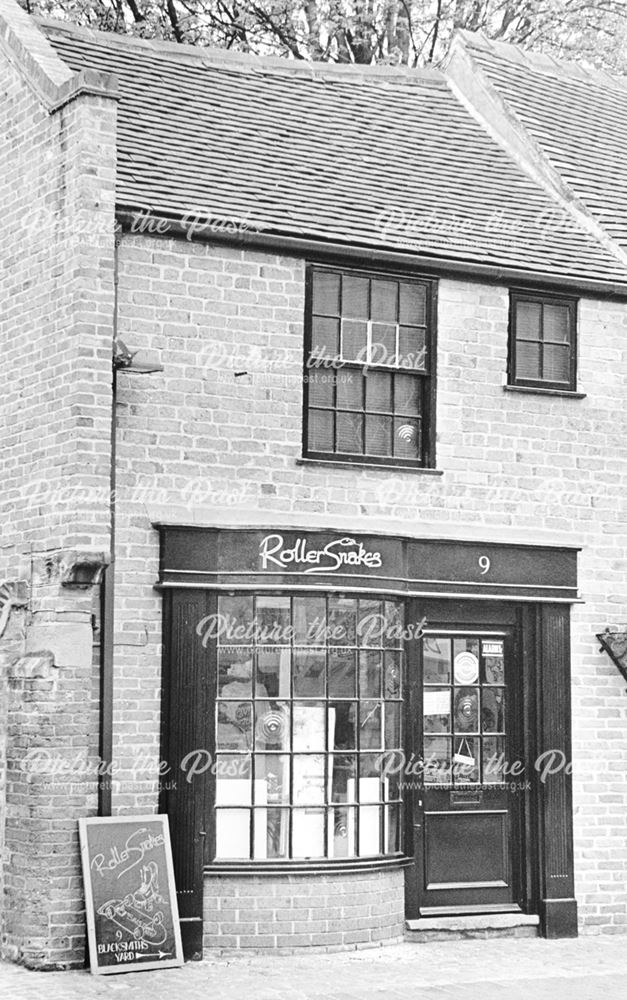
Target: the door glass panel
(492, 710)
(464, 696)
(466, 710)
(437, 760)
(437, 660)
(437, 710)
(493, 760)
(466, 759)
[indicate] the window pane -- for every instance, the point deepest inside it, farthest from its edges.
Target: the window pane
(493, 710)
(371, 725)
(342, 673)
(412, 348)
(309, 779)
(234, 725)
(528, 320)
(412, 309)
(232, 834)
(308, 672)
(370, 787)
(393, 629)
(494, 759)
(235, 671)
(273, 673)
(407, 393)
(392, 829)
(349, 433)
(556, 323)
(466, 759)
(437, 710)
(236, 615)
(392, 675)
(342, 725)
(342, 827)
(342, 621)
(556, 366)
(392, 731)
(233, 780)
(354, 340)
(406, 437)
(350, 390)
(326, 293)
(310, 617)
(370, 674)
(528, 360)
(370, 622)
(320, 427)
(355, 296)
(437, 758)
(384, 300)
(378, 435)
(343, 771)
(273, 621)
(321, 386)
(379, 391)
(271, 833)
(309, 726)
(436, 660)
(308, 833)
(369, 830)
(493, 669)
(325, 339)
(272, 725)
(383, 345)
(466, 710)
(272, 779)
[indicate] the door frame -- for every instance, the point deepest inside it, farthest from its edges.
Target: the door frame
(543, 821)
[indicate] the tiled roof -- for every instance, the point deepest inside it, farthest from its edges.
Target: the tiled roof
(376, 157)
(578, 118)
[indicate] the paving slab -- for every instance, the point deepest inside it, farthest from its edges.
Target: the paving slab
(589, 968)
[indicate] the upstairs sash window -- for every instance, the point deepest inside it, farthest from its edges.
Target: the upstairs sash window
(369, 368)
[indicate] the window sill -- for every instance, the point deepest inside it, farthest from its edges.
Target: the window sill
(413, 469)
(536, 390)
(306, 867)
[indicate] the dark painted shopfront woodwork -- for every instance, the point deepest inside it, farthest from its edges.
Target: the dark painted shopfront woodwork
(418, 744)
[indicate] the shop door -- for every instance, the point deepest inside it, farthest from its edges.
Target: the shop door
(465, 816)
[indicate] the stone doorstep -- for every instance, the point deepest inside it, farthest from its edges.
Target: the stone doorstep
(472, 925)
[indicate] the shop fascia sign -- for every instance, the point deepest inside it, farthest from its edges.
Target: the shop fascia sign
(334, 556)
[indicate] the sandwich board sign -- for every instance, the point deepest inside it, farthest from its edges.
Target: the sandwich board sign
(130, 895)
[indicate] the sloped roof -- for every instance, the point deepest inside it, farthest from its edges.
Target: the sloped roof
(382, 158)
(577, 116)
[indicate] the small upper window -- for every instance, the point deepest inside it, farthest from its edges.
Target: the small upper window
(543, 341)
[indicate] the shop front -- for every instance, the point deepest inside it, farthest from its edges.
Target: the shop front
(375, 716)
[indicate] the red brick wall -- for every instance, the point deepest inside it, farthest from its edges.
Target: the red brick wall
(333, 912)
(197, 445)
(57, 295)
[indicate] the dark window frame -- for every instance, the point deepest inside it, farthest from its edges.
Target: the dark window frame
(542, 299)
(398, 649)
(427, 458)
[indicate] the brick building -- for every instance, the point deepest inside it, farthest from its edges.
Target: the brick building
(340, 558)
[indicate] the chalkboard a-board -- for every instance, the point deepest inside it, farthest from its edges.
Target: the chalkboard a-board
(130, 896)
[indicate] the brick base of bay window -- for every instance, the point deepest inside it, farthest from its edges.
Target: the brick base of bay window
(338, 911)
